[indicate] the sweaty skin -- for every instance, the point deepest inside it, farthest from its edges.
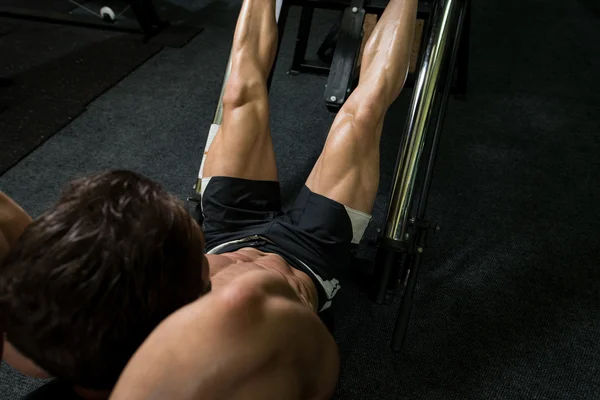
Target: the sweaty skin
(226, 267)
(256, 335)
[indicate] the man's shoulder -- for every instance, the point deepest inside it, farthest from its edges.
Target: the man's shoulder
(260, 317)
(218, 343)
(257, 301)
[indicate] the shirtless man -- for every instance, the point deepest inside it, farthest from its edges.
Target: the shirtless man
(117, 255)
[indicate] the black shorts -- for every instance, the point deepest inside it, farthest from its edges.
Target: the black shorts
(315, 235)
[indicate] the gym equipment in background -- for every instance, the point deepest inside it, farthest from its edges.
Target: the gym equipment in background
(441, 69)
(408, 230)
(100, 14)
(339, 51)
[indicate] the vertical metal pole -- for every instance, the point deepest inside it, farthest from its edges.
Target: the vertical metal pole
(401, 326)
(386, 263)
(417, 122)
(452, 67)
(406, 305)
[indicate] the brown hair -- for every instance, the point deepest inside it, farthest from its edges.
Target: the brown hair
(91, 278)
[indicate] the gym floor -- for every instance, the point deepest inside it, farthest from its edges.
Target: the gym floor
(507, 305)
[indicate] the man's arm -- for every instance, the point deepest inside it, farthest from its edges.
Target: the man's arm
(252, 340)
(13, 222)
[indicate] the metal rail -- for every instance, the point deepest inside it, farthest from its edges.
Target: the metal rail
(402, 320)
(418, 120)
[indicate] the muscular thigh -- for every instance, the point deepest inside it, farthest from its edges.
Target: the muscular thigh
(347, 170)
(242, 147)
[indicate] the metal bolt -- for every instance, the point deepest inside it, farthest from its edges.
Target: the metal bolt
(420, 249)
(333, 98)
(354, 10)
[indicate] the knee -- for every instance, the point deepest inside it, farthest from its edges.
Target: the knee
(357, 131)
(241, 90)
(381, 88)
(367, 105)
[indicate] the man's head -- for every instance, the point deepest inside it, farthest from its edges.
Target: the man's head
(91, 278)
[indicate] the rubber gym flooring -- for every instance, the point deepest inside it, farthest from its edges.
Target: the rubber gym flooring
(507, 304)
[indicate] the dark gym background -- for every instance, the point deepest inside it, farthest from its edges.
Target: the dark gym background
(507, 304)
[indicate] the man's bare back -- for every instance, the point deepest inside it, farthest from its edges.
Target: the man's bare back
(255, 336)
